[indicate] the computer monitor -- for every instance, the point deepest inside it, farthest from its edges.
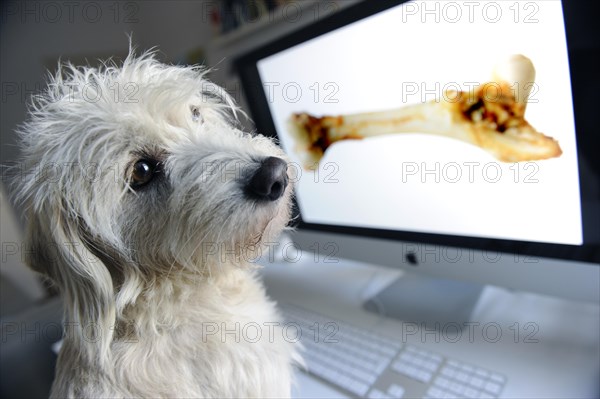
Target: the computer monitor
(425, 193)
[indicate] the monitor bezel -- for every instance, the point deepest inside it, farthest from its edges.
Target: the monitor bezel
(246, 67)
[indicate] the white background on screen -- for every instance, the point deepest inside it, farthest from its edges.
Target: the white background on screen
(382, 182)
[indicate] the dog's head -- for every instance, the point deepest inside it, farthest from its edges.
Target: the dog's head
(139, 172)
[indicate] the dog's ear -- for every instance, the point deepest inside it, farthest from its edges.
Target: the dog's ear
(57, 248)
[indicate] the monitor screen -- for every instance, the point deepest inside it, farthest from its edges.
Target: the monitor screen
(424, 182)
(370, 74)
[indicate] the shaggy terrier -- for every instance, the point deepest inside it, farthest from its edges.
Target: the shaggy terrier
(145, 203)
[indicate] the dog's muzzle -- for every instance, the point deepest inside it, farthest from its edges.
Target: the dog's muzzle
(270, 180)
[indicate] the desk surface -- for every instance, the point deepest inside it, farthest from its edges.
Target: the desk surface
(547, 347)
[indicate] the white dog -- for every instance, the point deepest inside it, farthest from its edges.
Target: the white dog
(145, 203)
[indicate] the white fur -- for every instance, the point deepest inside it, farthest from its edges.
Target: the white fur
(148, 274)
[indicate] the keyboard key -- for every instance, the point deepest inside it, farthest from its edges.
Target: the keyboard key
(448, 371)
(358, 388)
(476, 382)
(462, 376)
(456, 387)
(395, 391)
(377, 394)
(436, 358)
(423, 376)
(493, 388)
(482, 373)
(434, 392)
(468, 368)
(419, 361)
(430, 366)
(400, 367)
(442, 382)
(422, 352)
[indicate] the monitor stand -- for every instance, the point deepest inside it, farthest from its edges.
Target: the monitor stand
(427, 301)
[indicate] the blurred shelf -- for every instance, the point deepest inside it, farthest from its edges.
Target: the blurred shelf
(277, 16)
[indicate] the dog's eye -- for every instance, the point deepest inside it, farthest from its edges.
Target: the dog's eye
(143, 171)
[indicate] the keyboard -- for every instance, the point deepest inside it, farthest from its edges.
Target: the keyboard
(363, 363)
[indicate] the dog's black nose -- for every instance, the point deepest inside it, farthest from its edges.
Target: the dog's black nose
(269, 181)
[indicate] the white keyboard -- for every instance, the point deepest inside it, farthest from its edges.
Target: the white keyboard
(366, 364)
